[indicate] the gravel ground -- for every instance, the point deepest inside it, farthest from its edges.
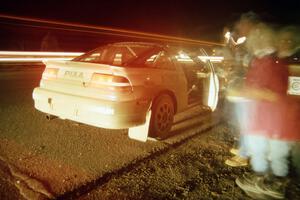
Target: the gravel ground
(60, 155)
(47, 159)
(194, 170)
(56, 157)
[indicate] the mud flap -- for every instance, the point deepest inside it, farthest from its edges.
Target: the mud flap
(141, 132)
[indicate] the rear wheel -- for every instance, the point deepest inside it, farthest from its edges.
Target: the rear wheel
(162, 116)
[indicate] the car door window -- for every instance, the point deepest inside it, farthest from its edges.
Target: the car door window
(164, 61)
(196, 73)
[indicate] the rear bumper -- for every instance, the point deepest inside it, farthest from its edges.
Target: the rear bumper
(95, 112)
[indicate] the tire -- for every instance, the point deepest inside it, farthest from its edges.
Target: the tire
(162, 116)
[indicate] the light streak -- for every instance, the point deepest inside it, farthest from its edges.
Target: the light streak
(104, 33)
(38, 53)
(32, 56)
(31, 59)
(102, 28)
(36, 56)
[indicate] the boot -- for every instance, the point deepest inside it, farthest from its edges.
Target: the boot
(273, 186)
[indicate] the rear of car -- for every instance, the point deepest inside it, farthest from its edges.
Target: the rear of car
(96, 88)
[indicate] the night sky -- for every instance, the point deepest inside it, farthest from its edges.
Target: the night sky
(196, 19)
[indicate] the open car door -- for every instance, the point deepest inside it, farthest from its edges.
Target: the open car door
(211, 82)
(202, 80)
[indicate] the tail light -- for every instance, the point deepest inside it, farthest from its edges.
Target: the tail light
(111, 82)
(50, 73)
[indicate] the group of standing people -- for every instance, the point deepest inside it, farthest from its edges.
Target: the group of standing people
(267, 116)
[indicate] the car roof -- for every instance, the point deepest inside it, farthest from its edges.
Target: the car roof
(152, 44)
(170, 47)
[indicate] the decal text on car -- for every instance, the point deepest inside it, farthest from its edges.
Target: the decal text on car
(74, 74)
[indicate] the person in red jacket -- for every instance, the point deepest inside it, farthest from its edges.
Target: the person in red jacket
(288, 46)
(272, 121)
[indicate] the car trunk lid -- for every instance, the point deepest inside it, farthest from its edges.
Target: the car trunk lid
(84, 79)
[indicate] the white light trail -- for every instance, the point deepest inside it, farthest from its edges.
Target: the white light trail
(38, 53)
(115, 30)
(36, 56)
(31, 59)
(33, 56)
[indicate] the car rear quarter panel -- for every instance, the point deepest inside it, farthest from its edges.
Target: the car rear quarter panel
(152, 82)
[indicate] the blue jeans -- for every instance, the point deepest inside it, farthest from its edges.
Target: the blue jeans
(268, 154)
(243, 148)
(241, 112)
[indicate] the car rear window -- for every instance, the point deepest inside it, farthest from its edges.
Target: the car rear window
(117, 55)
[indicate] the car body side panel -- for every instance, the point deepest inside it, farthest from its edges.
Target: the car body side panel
(155, 81)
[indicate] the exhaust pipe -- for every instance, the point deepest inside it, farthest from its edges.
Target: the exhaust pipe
(50, 117)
